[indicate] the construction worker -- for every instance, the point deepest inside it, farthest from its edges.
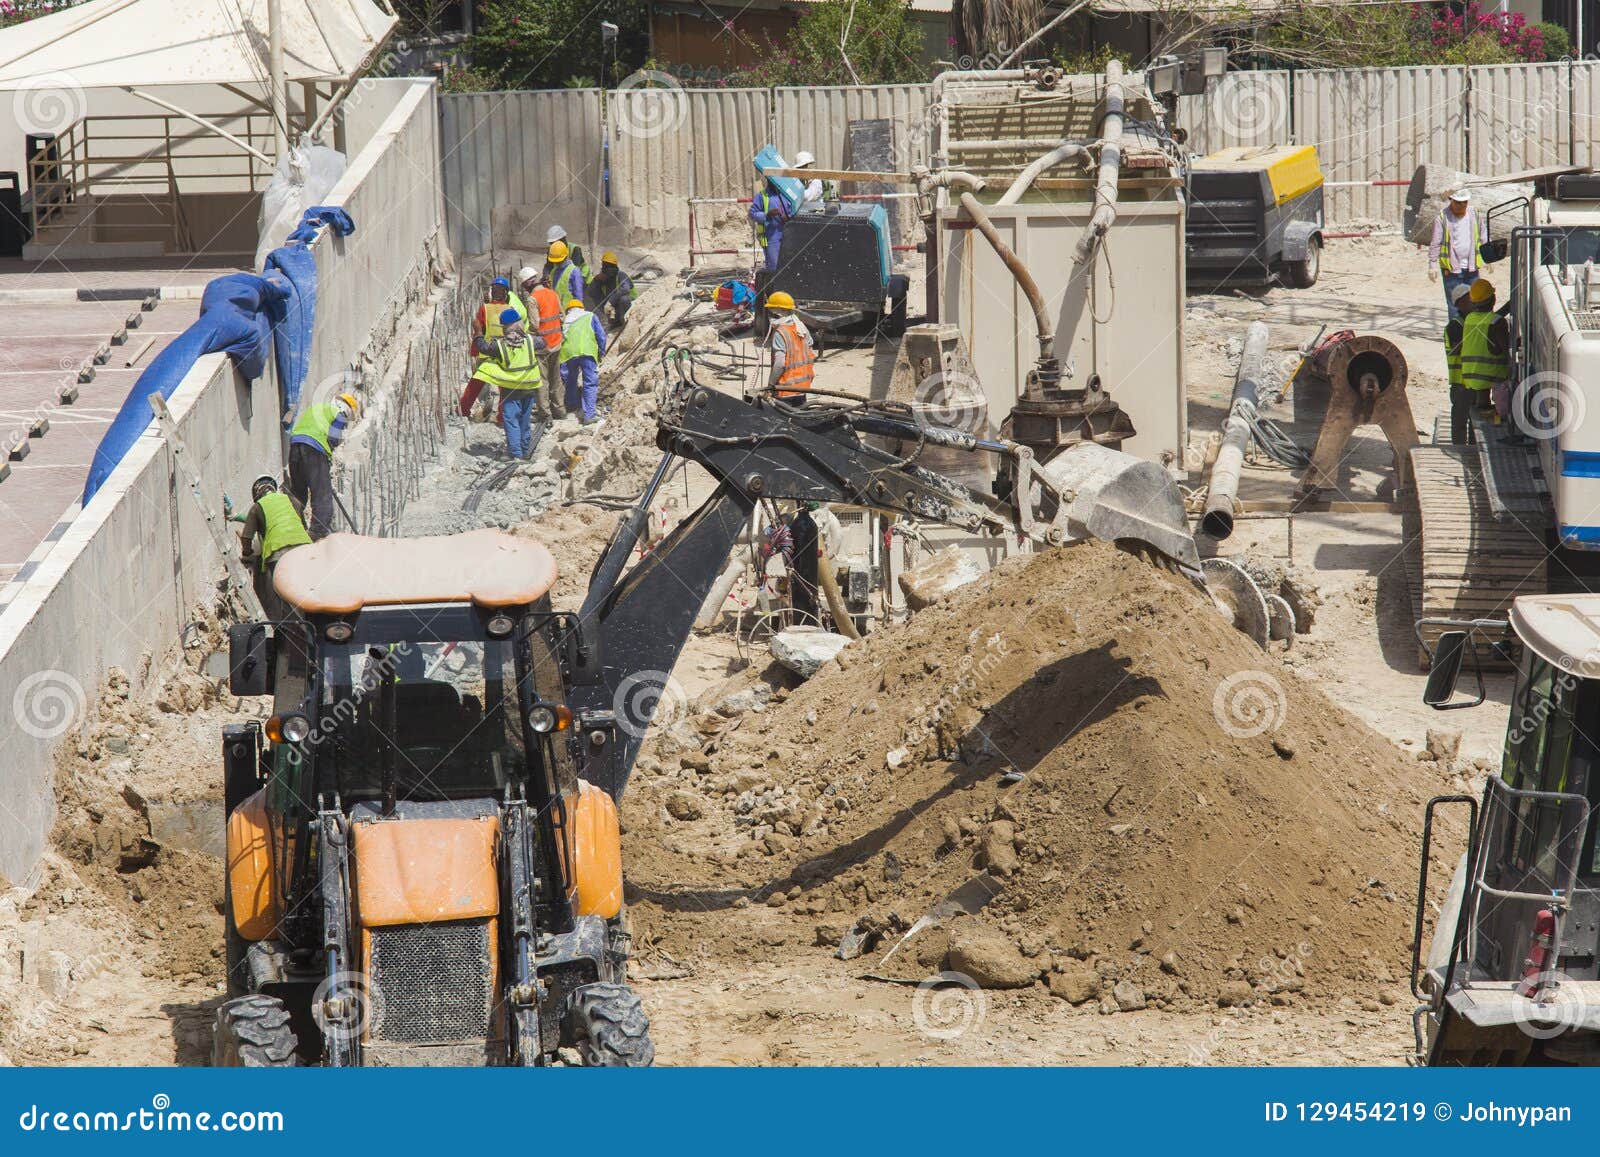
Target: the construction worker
(1460, 398)
(562, 274)
(1454, 248)
(803, 579)
(1485, 350)
(768, 213)
(557, 233)
(545, 319)
(278, 521)
(583, 344)
(312, 442)
(817, 191)
(610, 294)
(794, 354)
(511, 363)
(486, 324)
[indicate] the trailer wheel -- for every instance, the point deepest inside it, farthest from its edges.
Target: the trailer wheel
(612, 1029)
(1303, 274)
(254, 1032)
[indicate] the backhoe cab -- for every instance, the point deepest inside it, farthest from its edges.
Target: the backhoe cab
(416, 874)
(1510, 975)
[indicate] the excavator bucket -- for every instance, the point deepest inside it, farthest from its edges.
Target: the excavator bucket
(1117, 497)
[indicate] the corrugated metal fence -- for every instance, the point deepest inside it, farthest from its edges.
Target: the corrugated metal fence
(522, 149)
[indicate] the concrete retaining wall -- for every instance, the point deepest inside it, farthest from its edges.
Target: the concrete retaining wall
(129, 572)
(134, 567)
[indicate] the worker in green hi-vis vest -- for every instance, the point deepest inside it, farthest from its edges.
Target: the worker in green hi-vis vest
(278, 522)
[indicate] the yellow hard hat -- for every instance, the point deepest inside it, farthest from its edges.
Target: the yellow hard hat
(608, 258)
(559, 251)
(1481, 291)
(350, 400)
(779, 300)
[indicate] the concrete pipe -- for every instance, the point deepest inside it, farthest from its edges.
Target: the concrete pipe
(1217, 521)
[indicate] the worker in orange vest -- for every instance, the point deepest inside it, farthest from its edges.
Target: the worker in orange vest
(794, 355)
(544, 304)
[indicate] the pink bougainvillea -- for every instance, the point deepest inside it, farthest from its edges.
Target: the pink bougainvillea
(1444, 28)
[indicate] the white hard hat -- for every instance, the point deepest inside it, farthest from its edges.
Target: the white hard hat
(1460, 196)
(553, 234)
(803, 158)
(1459, 292)
(527, 273)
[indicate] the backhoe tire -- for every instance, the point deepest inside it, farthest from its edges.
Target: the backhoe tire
(254, 1032)
(612, 1029)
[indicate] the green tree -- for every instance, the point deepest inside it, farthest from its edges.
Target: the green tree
(846, 42)
(557, 43)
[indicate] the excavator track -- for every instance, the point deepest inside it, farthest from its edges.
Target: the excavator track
(1477, 538)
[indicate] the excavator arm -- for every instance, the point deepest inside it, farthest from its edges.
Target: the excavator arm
(636, 620)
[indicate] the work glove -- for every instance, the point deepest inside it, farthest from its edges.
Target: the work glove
(1433, 272)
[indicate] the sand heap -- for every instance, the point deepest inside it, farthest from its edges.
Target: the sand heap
(1164, 814)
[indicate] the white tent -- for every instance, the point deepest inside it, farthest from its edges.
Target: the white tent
(148, 43)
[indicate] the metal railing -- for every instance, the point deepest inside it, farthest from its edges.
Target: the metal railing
(148, 159)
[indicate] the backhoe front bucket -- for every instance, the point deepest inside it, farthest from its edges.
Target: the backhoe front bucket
(1117, 497)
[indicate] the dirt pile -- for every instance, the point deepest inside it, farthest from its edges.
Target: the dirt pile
(1163, 815)
(116, 955)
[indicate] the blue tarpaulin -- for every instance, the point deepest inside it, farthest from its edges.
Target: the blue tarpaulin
(240, 314)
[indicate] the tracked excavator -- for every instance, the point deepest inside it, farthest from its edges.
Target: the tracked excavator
(423, 858)
(1517, 510)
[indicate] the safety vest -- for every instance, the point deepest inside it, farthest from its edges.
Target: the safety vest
(315, 424)
(1481, 368)
(1444, 240)
(283, 526)
(511, 367)
(577, 337)
(799, 361)
(763, 199)
(492, 311)
(560, 280)
(549, 303)
(1452, 355)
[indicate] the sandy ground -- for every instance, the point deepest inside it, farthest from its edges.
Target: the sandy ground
(147, 1002)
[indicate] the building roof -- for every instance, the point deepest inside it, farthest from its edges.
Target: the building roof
(116, 43)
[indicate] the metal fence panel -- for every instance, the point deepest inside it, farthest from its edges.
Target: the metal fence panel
(818, 119)
(516, 148)
(1379, 124)
(1241, 108)
(667, 142)
(1521, 117)
(1584, 106)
